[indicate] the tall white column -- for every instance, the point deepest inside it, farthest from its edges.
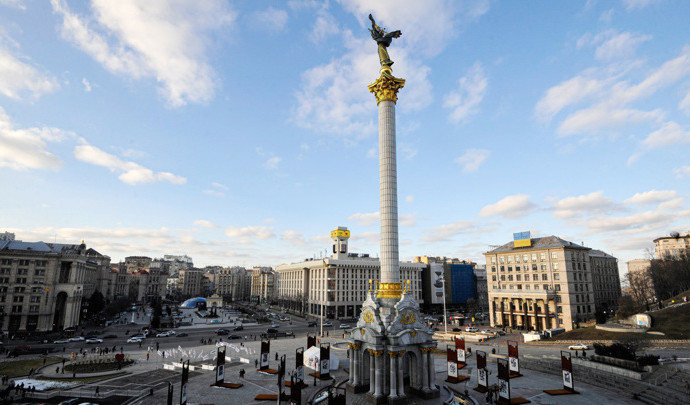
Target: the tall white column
(372, 374)
(394, 376)
(425, 372)
(378, 374)
(388, 190)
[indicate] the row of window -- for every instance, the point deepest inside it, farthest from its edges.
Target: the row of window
(526, 277)
(20, 308)
(557, 287)
(21, 280)
(23, 262)
(525, 257)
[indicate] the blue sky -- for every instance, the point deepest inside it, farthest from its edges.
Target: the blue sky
(241, 133)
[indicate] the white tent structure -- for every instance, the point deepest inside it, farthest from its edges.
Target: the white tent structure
(312, 359)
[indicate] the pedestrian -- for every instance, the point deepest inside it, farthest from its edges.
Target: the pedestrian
(577, 354)
(276, 355)
(256, 363)
(97, 390)
(147, 357)
(57, 370)
(687, 387)
(584, 354)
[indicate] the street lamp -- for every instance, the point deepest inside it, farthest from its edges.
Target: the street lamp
(445, 315)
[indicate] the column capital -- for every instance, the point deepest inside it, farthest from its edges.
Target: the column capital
(386, 87)
(427, 349)
(375, 353)
(354, 346)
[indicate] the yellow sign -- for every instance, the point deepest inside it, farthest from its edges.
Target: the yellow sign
(339, 233)
(522, 243)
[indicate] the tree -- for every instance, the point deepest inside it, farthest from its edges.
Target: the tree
(626, 307)
(96, 303)
(671, 275)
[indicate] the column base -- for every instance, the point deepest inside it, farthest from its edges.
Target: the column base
(427, 393)
(376, 399)
(398, 400)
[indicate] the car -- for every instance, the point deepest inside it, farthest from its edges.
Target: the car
(500, 333)
(139, 336)
(488, 331)
(183, 334)
(345, 326)
(62, 341)
(234, 337)
(271, 330)
(578, 346)
(327, 324)
(135, 340)
(71, 401)
(222, 332)
(311, 323)
(171, 332)
(77, 339)
(163, 334)
(457, 330)
(110, 337)
(471, 329)
(94, 340)
(275, 325)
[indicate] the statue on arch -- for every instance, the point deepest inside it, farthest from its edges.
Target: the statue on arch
(383, 39)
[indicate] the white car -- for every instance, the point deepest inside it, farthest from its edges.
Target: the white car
(327, 324)
(94, 340)
(163, 334)
(135, 340)
(488, 331)
(344, 326)
(62, 341)
(471, 329)
(77, 339)
(578, 346)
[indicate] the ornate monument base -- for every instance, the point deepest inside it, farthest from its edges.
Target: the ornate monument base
(392, 352)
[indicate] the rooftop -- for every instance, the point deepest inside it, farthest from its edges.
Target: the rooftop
(538, 243)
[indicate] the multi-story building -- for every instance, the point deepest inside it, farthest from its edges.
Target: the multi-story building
(606, 281)
(230, 283)
(671, 247)
(461, 279)
(481, 287)
(336, 286)
(136, 263)
(544, 283)
(42, 285)
(640, 281)
(263, 284)
(190, 283)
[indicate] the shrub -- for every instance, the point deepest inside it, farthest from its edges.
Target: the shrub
(648, 360)
(617, 350)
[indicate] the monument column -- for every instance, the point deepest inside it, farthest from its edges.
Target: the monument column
(372, 372)
(425, 370)
(393, 374)
(378, 373)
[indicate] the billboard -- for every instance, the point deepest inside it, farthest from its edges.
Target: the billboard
(220, 365)
(482, 374)
(452, 364)
(436, 283)
(265, 354)
(325, 363)
(299, 365)
(513, 358)
(567, 370)
(460, 349)
(503, 381)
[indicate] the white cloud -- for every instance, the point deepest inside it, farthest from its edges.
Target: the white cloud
(637, 221)
(472, 159)
(18, 4)
(205, 224)
(684, 104)
(631, 5)
(652, 197)
(512, 206)
(19, 79)
(214, 193)
(588, 204)
(407, 219)
(220, 186)
(447, 231)
(682, 172)
(567, 93)
(601, 117)
(406, 151)
(672, 204)
(669, 134)
(294, 237)
(87, 85)
(130, 172)
(324, 27)
(464, 100)
(612, 44)
(409, 198)
(24, 149)
(246, 234)
(368, 219)
(164, 40)
(272, 19)
(272, 163)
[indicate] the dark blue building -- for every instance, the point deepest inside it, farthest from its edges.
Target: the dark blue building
(461, 283)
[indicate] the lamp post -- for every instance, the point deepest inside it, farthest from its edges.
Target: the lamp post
(445, 315)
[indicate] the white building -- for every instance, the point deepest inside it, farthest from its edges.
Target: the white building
(338, 283)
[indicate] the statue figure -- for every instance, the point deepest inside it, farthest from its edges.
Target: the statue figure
(383, 39)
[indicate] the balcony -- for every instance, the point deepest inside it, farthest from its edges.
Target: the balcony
(550, 294)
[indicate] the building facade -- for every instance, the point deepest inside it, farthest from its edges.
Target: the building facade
(671, 247)
(545, 283)
(42, 285)
(230, 283)
(190, 282)
(263, 284)
(336, 286)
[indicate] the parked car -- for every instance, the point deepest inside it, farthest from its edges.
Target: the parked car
(327, 324)
(457, 330)
(345, 326)
(271, 330)
(275, 325)
(489, 331)
(94, 340)
(163, 334)
(234, 337)
(578, 346)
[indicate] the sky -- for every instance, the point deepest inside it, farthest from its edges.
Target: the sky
(242, 132)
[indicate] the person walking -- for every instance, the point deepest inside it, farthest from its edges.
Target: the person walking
(147, 356)
(98, 388)
(256, 363)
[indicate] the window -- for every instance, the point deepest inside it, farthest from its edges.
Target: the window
(510, 268)
(558, 287)
(493, 268)
(41, 263)
(558, 298)
(503, 268)
(501, 259)
(545, 286)
(536, 286)
(23, 262)
(542, 256)
(589, 309)
(510, 259)
(544, 277)
(512, 287)
(556, 276)
(517, 258)
(493, 259)
(38, 280)
(519, 287)
(18, 298)
(554, 255)
(22, 271)
(560, 321)
(534, 257)
(525, 258)
(554, 266)
(503, 277)
(510, 277)
(526, 286)
(543, 267)
(19, 289)
(36, 298)
(534, 267)
(517, 277)
(517, 268)
(579, 266)
(16, 308)
(559, 309)
(39, 272)
(584, 266)
(578, 309)
(526, 277)
(33, 308)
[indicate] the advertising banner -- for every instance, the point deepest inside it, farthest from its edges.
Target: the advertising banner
(452, 364)
(437, 283)
(482, 374)
(460, 349)
(299, 365)
(265, 354)
(183, 388)
(567, 367)
(220, 365)
(324, 357)
(503, 380)
(513, 357)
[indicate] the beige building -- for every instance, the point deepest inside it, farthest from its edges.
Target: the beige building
(193, 283)
(42, 285)
(671, 247)
(545, 283)
(263, 283)
(338, 283)
(640, 281)
(230, 283)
